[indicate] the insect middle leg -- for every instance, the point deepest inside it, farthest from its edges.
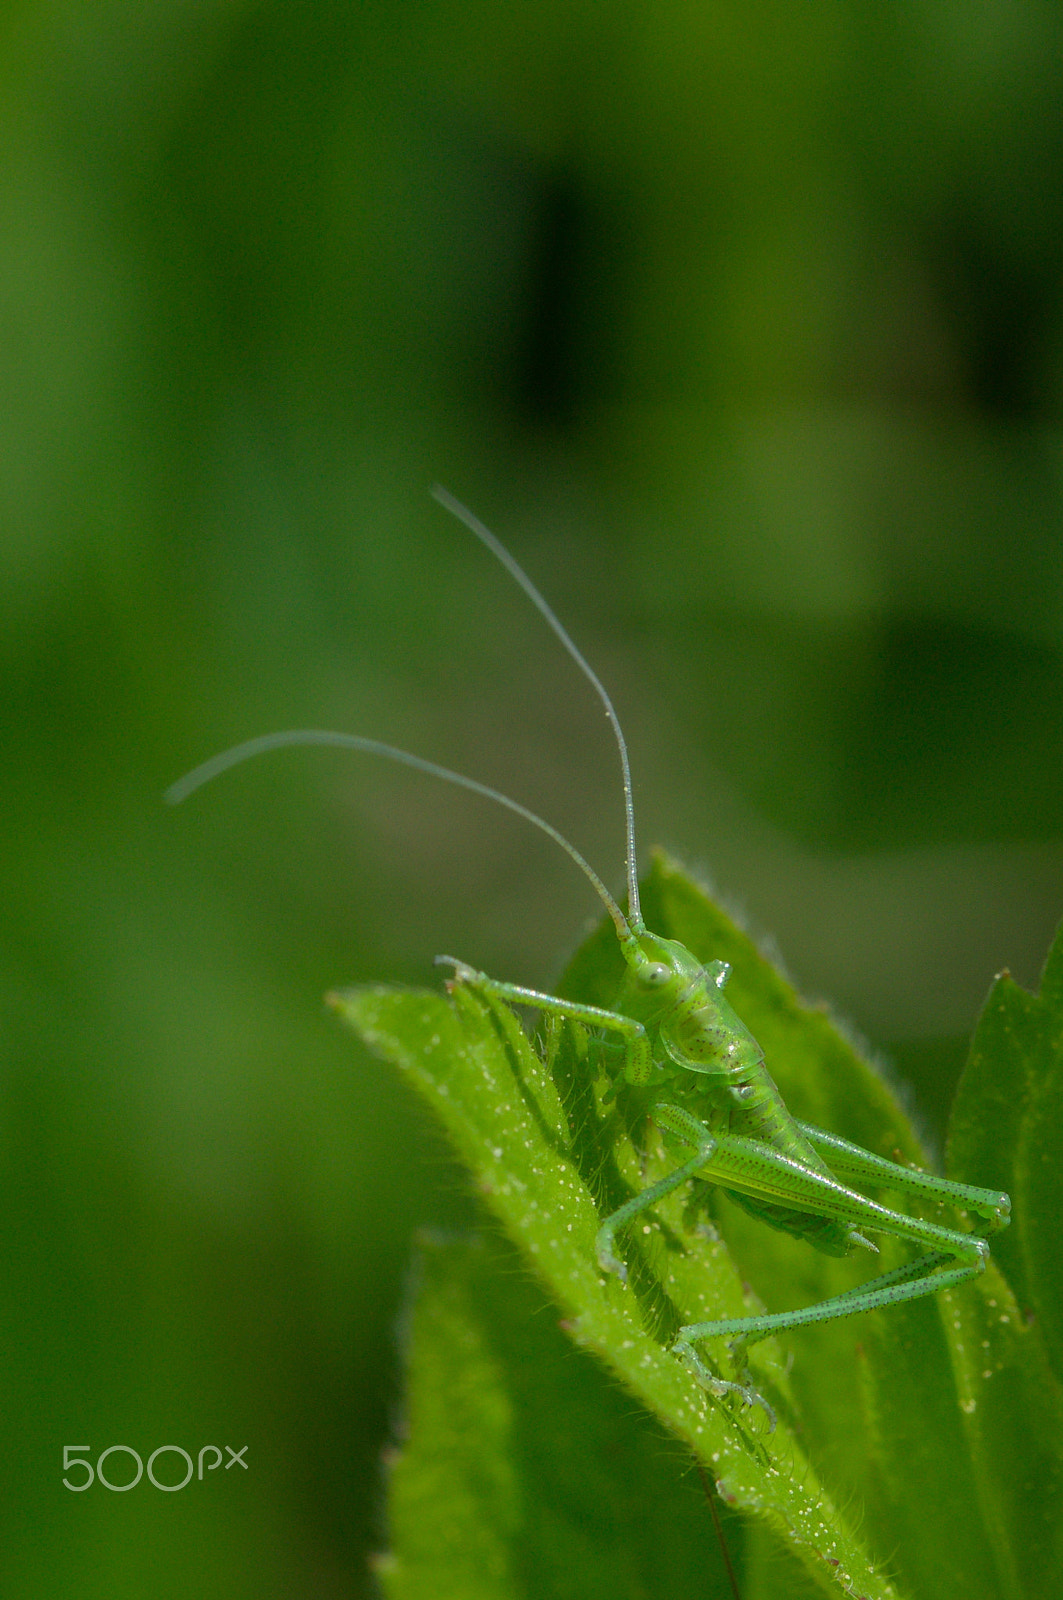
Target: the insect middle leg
(681, 1124)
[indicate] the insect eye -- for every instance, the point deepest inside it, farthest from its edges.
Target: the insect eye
(655, 974)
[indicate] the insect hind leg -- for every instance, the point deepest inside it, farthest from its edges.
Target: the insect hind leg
(909, 1282)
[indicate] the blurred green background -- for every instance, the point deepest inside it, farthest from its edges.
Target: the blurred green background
(743, 325)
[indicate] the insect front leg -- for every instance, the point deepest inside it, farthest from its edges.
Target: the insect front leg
(636, 1045)
(637, 1066)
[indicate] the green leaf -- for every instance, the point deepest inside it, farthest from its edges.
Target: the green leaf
(972, 1404)
(526, 1472)
(1007, 1119)
(1006, 1336)
(882, 1450)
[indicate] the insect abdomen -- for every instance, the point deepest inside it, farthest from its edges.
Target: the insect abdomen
(763, 1117)
(825, 1234)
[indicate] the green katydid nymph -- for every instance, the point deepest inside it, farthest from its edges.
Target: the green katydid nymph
(681, 1058)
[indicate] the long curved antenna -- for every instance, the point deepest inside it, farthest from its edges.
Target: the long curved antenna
(352, 741)
(498, 549)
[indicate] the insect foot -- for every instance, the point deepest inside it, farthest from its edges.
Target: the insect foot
(607, 1259)
(719, 1387)
(462, 972)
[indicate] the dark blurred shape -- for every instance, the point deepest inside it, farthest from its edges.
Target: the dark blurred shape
(1002, 304)
(557, 368)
